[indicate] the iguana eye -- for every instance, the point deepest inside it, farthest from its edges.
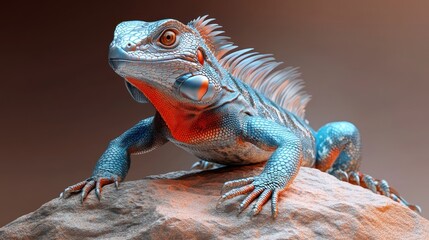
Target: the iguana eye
(168, 38)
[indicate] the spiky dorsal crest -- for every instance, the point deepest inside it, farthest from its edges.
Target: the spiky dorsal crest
(218, 44)
(258, 70)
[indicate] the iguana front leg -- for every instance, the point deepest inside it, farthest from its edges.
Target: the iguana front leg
(113, 165)
(280, 170)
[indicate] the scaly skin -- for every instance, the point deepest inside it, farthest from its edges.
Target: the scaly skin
(225, 109)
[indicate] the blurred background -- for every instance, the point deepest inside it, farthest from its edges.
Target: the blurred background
(363, 61)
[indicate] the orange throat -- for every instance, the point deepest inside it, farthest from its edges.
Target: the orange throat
(184, 126)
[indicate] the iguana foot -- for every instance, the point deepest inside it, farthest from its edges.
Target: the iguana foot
(205, 165)
(86, 186)
(376, 186)
(259, 193)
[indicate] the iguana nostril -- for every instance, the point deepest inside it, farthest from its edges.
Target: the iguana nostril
(130, 47)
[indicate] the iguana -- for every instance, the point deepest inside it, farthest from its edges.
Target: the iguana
(225, 106)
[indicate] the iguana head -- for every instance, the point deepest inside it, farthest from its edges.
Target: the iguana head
(167, 61)
(192, 66)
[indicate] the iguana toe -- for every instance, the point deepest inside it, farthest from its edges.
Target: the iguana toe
(354, 178)
(72, 189)
(104, 181)
(340, 174)
(237, 191)
(86, 189)
(369, 183)
(262, 199)
(236, 183)
(383, 188)
(249, 199)
(274, 201)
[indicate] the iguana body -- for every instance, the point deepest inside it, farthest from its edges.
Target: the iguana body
(226, 108)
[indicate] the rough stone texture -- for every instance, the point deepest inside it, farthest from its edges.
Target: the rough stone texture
(181, 205)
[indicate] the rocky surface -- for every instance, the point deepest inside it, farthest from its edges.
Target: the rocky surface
(182, 205)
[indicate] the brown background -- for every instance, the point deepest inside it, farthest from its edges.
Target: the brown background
(363, 61)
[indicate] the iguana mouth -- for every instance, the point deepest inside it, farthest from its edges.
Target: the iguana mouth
(185, 58)
(118, 55)
(116, 62)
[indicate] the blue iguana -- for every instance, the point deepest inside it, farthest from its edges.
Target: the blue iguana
(225, 106)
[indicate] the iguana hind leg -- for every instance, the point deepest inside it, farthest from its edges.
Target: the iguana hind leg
(339, 154)
(338, 147)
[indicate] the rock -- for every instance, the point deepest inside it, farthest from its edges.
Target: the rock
(182, 205)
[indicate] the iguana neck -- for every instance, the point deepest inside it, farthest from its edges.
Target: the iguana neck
(184, 125)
